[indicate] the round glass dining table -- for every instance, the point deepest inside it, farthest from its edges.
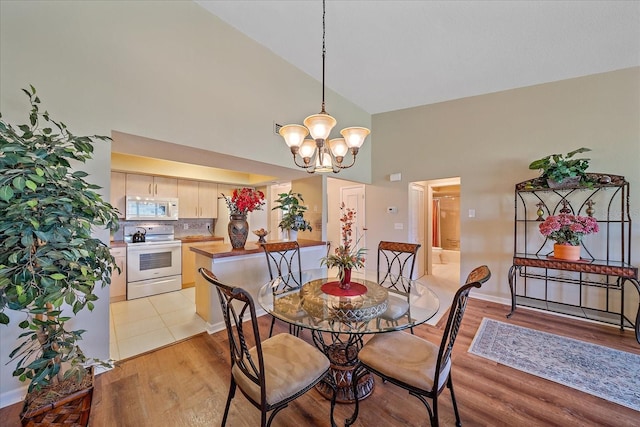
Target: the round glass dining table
(339, 319)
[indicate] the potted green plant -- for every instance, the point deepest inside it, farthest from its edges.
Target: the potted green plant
(292, 213)
(562, 171)
(49, 261)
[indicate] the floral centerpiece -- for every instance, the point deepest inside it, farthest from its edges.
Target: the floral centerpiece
(344, 256)
(567, 230)
(241, 202)
(244, 200)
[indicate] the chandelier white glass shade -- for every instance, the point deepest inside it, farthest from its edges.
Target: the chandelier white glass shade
(320, 154)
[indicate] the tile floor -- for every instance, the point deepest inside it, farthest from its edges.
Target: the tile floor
(444, 281)
(144, 324)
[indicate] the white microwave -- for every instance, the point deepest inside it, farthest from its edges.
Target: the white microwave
(145, 208)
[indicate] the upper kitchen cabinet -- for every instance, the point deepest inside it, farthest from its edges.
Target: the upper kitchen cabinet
(198, 199)
(154, 186)
(119, 192)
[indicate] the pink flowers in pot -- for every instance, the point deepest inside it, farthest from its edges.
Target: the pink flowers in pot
(567, 229)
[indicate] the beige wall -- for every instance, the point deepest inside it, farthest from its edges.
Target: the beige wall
(489, 142)
(163, 70)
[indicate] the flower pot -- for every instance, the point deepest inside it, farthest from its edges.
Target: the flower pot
(72, 409)
(566, 252)
(569, 182)
(293, 235)
(238, 229)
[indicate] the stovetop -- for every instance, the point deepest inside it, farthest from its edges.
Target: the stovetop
(153, 233)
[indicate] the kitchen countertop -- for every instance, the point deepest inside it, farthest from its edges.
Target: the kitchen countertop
(117, 244)
(224, 250)
(200, 238)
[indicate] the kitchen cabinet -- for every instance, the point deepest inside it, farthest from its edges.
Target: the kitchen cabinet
(119, 192)
(198, 199)
(154, 186)
(189, 260)
(118, 287)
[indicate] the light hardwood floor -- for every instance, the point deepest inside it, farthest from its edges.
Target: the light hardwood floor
(185, 384)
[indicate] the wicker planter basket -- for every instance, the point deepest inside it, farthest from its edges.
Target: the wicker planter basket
(72, 410)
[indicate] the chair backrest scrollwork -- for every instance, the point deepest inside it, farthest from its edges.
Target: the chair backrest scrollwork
(396, 260)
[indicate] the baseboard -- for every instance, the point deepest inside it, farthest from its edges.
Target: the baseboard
(13, 396)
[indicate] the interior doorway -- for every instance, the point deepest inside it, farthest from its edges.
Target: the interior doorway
(434, 222)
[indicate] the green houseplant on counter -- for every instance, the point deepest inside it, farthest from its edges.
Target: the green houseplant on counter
(561, 171)
(292, 213)
(49, 261)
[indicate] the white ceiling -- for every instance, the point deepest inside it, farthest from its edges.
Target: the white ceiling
(388, 55)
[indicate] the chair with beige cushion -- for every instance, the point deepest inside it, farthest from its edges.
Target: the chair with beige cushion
(283, 260)
(273, 372)
(415, 364)
(396, 262)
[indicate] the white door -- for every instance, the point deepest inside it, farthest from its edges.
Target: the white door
(353, 198)
(417, 223)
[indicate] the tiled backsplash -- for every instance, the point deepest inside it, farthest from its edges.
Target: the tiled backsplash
(183, 227)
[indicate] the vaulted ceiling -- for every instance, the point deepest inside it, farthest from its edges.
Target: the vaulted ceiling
(394, 54)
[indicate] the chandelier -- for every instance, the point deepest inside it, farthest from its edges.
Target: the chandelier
(318, 154)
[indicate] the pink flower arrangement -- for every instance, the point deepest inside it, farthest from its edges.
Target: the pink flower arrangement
(566, 229)
(244, 200)
(343, 256)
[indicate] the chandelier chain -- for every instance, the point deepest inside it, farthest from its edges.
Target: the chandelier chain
(324, 53)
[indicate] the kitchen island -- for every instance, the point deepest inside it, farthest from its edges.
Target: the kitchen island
(245, 268)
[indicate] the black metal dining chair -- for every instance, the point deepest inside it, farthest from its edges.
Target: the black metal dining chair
(283, 260)
(273, 372)
(415, 364)
(396, 262)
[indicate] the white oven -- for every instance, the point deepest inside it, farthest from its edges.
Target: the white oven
(153, 266)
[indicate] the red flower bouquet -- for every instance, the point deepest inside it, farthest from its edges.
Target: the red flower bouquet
(244, 200)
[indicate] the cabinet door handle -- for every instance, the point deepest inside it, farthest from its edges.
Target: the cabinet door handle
(149, 188)
(196, 211)
(156, 189)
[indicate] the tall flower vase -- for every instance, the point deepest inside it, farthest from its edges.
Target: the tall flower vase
(566, 252)
(238, 230)
(345, 280)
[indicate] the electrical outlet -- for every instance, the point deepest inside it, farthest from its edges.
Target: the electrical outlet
(185, 226)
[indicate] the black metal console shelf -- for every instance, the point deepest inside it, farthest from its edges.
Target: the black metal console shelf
(594, 287)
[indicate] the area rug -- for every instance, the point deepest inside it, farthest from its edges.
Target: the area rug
(601, 371)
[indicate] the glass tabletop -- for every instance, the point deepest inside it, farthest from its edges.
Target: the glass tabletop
(299, 299)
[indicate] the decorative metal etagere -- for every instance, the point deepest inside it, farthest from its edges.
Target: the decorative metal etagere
(593, 287)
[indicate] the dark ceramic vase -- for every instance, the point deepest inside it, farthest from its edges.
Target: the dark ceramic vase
(238, 230)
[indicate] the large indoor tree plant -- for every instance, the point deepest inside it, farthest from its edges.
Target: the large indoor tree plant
(49, 261)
